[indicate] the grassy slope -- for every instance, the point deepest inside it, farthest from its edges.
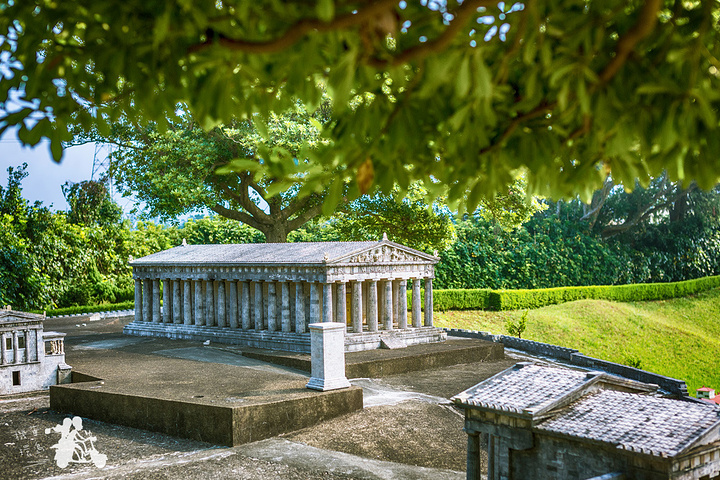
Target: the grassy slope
(679, 338)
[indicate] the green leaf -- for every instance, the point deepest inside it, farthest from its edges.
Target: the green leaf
(462, 82)
(325, 10)
(333, 199)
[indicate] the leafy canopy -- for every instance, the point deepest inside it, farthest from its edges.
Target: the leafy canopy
(460, 95)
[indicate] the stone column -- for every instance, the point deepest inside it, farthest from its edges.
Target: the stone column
(387, 308)
(327, 303)
(473, 456)
(356, 314)
(27, 345)
(147, 300)
(341, 305)
(396, 301)
(428, 302)
(258, 306)
(199, 311)
(372, 309)
(314, 303)
(167, 301)
(187, 303)
(402, 305)
(138, 301)
(176, 303)
(210, 319)
(299, 308)
(327, 356)
(416, 303)
(272, 308)
(156, 301)
(3, 347)
(285, 307)
(16, 347)
(245, 305)
(221, 305)
(232, 312)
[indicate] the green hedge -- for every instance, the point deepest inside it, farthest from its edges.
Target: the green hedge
(106, 307)
(519, 299)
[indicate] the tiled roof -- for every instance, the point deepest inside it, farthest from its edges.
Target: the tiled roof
(641, 423)
(524, 388)
(265, 253)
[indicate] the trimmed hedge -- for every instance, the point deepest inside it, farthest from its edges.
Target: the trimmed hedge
(461, 299)
(106, 307)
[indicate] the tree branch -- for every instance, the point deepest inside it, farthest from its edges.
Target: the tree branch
(304, 217)
(239, 216)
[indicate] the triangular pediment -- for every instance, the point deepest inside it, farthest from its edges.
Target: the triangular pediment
(386, 252)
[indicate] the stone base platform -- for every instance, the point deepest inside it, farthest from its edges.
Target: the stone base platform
(287, 342)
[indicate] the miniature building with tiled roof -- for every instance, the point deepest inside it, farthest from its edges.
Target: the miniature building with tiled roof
(266, 294)
(707, 394)
(556, 423)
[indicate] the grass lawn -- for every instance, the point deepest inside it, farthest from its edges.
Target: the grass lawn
(678, 338)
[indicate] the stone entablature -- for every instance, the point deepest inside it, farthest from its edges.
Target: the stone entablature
(285, 287)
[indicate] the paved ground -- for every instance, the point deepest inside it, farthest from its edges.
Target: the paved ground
(406, 430)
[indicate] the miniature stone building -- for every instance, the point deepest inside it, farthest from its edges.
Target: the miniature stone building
(556, 423)
(265, 295)
(30, 359)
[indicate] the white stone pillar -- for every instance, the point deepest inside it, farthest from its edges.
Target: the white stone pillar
(147, 300)
(232, 311)
(327, 302)
(221, 305)
(26, 333)
(372, 309)
(402, 305)
(16, 347)
(314, 303)
(428, 302)
(416, 303)
(285, 307)
(387, 308)
(258, 306)
(199, 310)
(356, 313)
(3, 349)
(156, 318)
(138, 301)
(299, 308)
(245, 305)
(167, 300)
(210, 319)
(341, 304)
(271, 308)
(187, 303)
(327, 356)
(177, 306)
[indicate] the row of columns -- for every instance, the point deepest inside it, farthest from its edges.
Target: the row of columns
(283, 306)
(17, 355)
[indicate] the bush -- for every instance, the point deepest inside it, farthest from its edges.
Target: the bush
(471, 299)
(107, 307)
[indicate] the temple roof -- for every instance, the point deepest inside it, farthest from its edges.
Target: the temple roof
(305, 253)
(14, 316)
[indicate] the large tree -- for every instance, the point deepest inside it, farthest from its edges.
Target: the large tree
(461, 95)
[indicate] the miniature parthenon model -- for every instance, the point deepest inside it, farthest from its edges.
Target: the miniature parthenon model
(265, 295)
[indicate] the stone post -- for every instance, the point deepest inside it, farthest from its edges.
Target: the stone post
(356, 314)
(232, 312)
(428, 302)
(327, 303)
(147, 300)
(327, 356)
(199, 311)
(187, 303)
(299, 308)
(210, 319)
(285, 307)
(271, 308)
(387, 314)
(167, 301)
(341, 305)
(258, 306)
(473, 456)
(221, 305)
(372, 310)
(138, 301)
(245, 305)
(156, 301)
(176, 308)
(3, 349)
(402, 305)
(416, 304)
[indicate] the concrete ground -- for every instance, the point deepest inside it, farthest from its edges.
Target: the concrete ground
(407, 429)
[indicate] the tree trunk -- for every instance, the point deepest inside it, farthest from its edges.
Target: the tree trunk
(276, 233)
